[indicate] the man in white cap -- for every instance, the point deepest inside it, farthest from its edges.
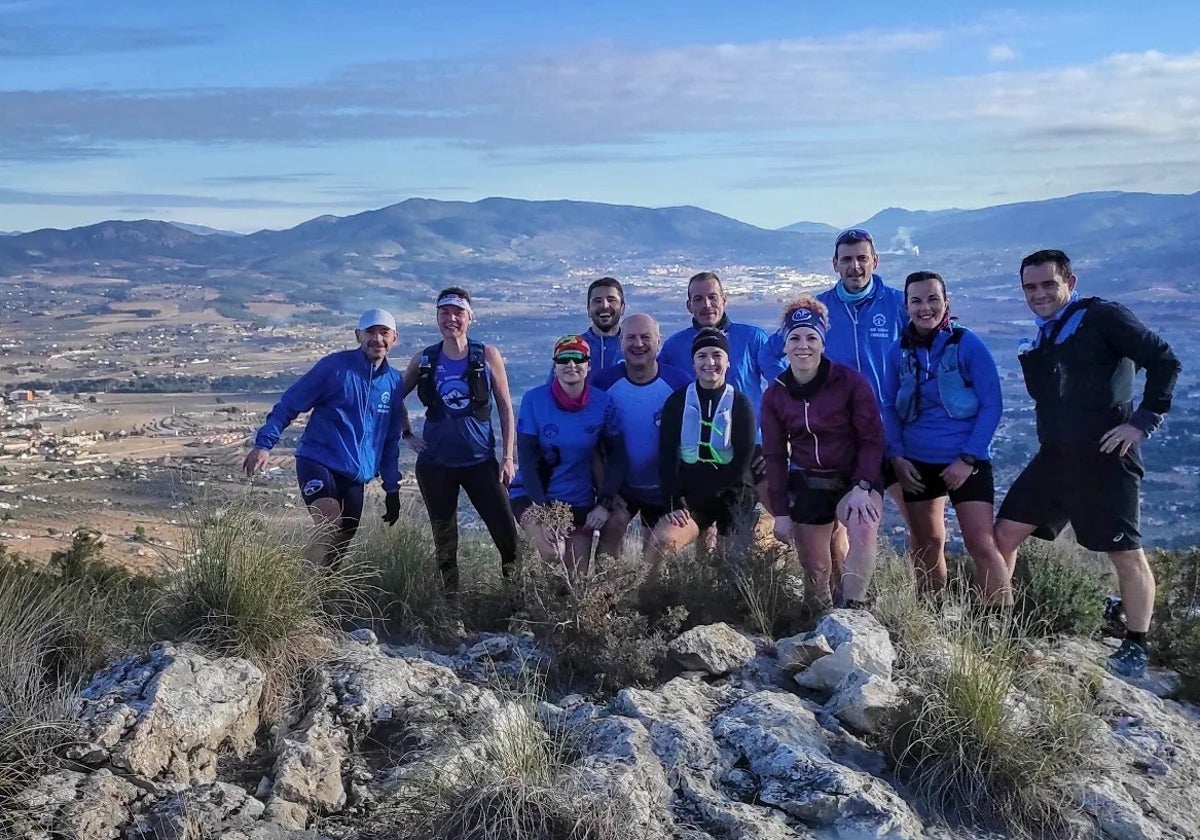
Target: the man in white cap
(353, 434)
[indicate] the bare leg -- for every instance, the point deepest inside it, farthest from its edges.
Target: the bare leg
(579, 551)
(1009, 536)
(1137, 585)
(927, 526)
(549, 547)
(991, 572)
(860, 562)
(613, 532)
(667, 540)
(812, 544)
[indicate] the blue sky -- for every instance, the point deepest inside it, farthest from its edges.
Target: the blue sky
(263, 114)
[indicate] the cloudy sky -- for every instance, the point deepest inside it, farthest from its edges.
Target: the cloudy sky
(264, 113)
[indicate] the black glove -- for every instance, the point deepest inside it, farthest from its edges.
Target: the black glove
(391, 505)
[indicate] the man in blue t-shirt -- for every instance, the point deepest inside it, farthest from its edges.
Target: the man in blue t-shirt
(638, 387)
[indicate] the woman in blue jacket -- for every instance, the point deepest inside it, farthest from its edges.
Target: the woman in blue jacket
(941, 406)
(562, 429)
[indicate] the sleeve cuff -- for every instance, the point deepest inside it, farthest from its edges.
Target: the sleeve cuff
(1145, 421)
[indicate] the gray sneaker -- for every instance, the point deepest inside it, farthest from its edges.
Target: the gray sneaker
(1130, 660)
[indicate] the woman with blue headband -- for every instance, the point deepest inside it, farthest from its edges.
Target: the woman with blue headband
(823, 444)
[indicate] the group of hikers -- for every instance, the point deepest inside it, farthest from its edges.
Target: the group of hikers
(862, 390)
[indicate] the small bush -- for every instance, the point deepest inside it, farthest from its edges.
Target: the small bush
(241, 588)
(591, 624)
(40, 673)
(518, 784)
(989, 739)
(1175, 632)
(1059, 590)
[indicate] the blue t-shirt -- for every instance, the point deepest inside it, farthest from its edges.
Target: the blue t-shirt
(458, 438)
(566, 442)
(639, 413)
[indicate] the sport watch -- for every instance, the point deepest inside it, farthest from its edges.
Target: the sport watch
(969, 460)
(863, 484)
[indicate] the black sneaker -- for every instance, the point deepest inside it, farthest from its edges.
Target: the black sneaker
(1130, 660)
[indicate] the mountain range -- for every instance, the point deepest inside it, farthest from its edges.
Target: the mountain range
(1136, 234)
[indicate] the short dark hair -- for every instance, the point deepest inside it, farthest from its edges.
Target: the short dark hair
(1048, 255)
(609, 282)
(853, 236)
(921, 277)
(704, 277)
(454, 290)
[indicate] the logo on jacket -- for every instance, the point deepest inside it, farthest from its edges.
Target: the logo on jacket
(385, 397)
(658, 419)
(550, 431)
(311, 488)
(880, 320)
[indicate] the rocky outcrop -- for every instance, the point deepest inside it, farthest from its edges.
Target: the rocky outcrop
(745, 745)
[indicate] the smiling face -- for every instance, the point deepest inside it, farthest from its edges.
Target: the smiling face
(803, 348)
(571, 370)
(926, 302)
(706, 302)
(854, 263)
(640, 341)
(453, 321)
(376, 341)
(1046, 290)
(605, 308)
(711, 364)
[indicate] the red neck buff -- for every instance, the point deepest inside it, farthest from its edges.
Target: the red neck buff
(565, 401)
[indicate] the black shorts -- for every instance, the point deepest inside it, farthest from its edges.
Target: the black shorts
(727, 510)
(521, 504)
(1096, 492)
(888, 473)
(317, 481)
(650, 512)
(979, 486)
(813, 496)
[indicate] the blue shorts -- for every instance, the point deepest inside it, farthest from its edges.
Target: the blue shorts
(317, 481)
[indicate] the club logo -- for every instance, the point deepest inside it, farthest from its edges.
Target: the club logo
(455, 395)
(311, 488)
(880, 320)
(550, 431)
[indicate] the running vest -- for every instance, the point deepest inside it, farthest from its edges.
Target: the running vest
(956, 391)
(477, 382)
(720, 442)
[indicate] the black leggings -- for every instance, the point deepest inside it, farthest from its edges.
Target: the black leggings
(440, 487)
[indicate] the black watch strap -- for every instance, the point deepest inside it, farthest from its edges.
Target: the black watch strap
(863, 484)
(969, 460)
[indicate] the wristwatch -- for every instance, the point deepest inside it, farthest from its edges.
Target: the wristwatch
(606, 502)
(863, 484)
(969, 460)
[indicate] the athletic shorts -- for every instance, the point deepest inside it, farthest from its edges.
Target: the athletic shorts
(979, 486)
(727, 510)
(579, 513)
(1096, 492)
(650, 512)
(813, 496)
(317, 481)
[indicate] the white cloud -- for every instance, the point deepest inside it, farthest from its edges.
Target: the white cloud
(1000, 53)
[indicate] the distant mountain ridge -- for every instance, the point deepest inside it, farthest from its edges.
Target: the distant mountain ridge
(429, 241)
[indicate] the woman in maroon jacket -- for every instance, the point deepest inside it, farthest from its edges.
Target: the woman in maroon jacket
(823, 443)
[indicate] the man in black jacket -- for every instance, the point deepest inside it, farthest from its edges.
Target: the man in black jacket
(1079, 371)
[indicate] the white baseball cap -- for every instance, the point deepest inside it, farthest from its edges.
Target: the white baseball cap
(376, 318)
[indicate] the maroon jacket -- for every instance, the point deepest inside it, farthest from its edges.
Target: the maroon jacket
(829, 423)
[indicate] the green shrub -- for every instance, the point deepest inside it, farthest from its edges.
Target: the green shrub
(517, 783)
(988, 738)
(1059, 589)
(1175, 631)
(239, 587)
(39, 676)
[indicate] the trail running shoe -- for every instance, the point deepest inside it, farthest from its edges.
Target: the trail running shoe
(1130, 660)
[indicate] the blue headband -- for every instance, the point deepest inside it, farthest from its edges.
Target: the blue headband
(803, 317)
